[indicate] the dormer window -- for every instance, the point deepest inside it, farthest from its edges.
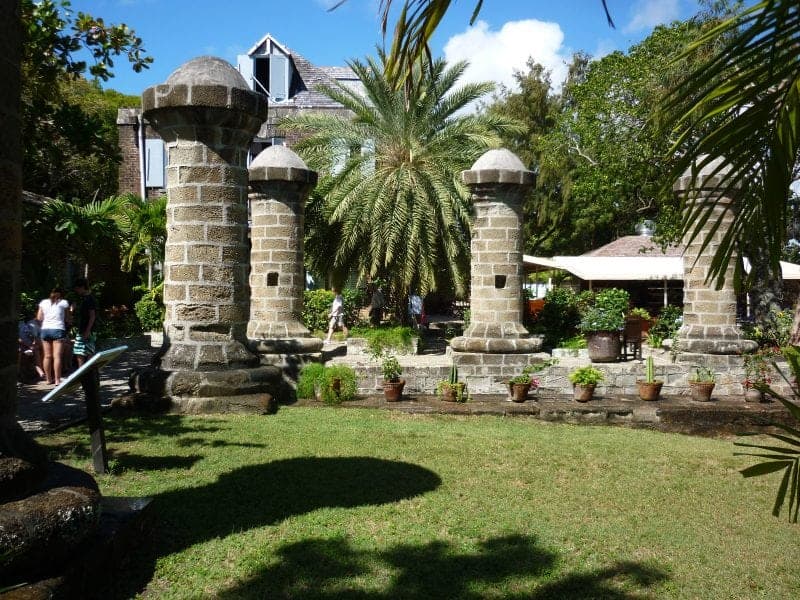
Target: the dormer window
(267, 68)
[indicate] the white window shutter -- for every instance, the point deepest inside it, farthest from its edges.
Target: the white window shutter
(154, 163)
(340, 155)
(278, 77)
(368, 150)
(244, 64)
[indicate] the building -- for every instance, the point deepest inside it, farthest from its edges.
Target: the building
(288, 79)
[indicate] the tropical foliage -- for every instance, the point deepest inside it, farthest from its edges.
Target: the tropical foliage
(415, 25)
(143, 223)
(737, 118)
(69, 123)
(785, 457)
(391, 187)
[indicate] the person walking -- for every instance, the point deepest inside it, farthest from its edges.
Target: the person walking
(336, 315)
(84, 346)
(54, 316)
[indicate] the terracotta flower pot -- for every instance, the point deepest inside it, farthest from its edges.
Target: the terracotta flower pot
(393, 390)
(649, 390)
(701, 390)
(520, 391)
(753, 395)
(603, 346)
(452, 392)
(583, 392)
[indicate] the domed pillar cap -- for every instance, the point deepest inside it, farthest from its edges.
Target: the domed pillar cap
(206, 81)
(498, 166)
(279, 163)
(713, 174)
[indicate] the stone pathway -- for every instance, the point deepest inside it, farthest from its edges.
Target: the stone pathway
(37, 417)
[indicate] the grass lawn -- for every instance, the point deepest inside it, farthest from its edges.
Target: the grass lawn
(370, 504)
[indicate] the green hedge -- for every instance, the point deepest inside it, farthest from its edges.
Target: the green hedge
(317, 307)
(317, 374)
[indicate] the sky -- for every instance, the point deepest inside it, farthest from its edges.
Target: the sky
(500, 42)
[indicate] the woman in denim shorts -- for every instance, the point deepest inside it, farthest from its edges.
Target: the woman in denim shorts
(54, 316)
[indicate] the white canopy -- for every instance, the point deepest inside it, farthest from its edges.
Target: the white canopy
(627, 268)
(613, 268)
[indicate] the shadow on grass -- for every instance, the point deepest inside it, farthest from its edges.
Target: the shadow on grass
(146, 427)
(258, 495)
(318, 569)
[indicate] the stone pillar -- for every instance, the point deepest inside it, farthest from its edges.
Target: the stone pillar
(207, 117)
(498, 182)
(709, 314)
(279, 184)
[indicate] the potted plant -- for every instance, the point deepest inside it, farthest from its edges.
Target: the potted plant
(521, 385)
(584, 380)
(392, 384)
(643, 316)
(451, 390)
(701, 383)
(649, 388)
(757, 374)
(602, 323)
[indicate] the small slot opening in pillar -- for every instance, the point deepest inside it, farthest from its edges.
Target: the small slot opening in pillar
(272, 279)
(499, 281)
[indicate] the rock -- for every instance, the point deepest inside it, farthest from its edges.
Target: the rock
(39, 533)
(18, 478)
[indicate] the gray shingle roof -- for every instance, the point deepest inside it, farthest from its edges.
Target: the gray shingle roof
(634, 245)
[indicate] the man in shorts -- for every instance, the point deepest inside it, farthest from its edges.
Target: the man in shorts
(85, 318)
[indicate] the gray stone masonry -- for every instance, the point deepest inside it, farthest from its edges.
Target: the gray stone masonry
(207, 117)
(486, 373)
(709, 315)
(279, 184)
(498, 181)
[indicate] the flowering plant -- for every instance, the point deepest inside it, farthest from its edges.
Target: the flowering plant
(757, 370)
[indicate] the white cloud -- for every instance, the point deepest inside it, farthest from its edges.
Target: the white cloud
(495, 55)
(646, 14)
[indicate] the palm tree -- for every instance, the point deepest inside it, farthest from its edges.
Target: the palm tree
(144, 232)
(391, 174)
(86, 228)
(743, 104)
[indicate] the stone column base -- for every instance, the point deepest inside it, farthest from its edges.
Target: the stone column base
(283, 346)
(707, 339)
(235, 390)
(289, 364)
(489, 373)
(497, 345)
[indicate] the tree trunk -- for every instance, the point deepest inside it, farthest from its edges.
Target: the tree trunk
(14, 441)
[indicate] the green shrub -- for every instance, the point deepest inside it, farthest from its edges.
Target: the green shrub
(116, 322)
(558, 320)
(310, 375)
(317, 307)
(314, 375)
(383, 338)
(347, 384)
(776, 329)
(667, 323)
(576, 342)
(608, 311)
(150, 313)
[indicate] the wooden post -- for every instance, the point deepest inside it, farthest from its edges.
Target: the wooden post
(91, 389)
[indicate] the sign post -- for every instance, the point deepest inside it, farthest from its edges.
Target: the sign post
(88, 376)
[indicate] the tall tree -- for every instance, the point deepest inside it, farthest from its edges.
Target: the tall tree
(392, 173)
(66, 124)
(742, 104)
(417, 21)
(143, 225)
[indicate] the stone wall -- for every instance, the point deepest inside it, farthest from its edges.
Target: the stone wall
(129, 168)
